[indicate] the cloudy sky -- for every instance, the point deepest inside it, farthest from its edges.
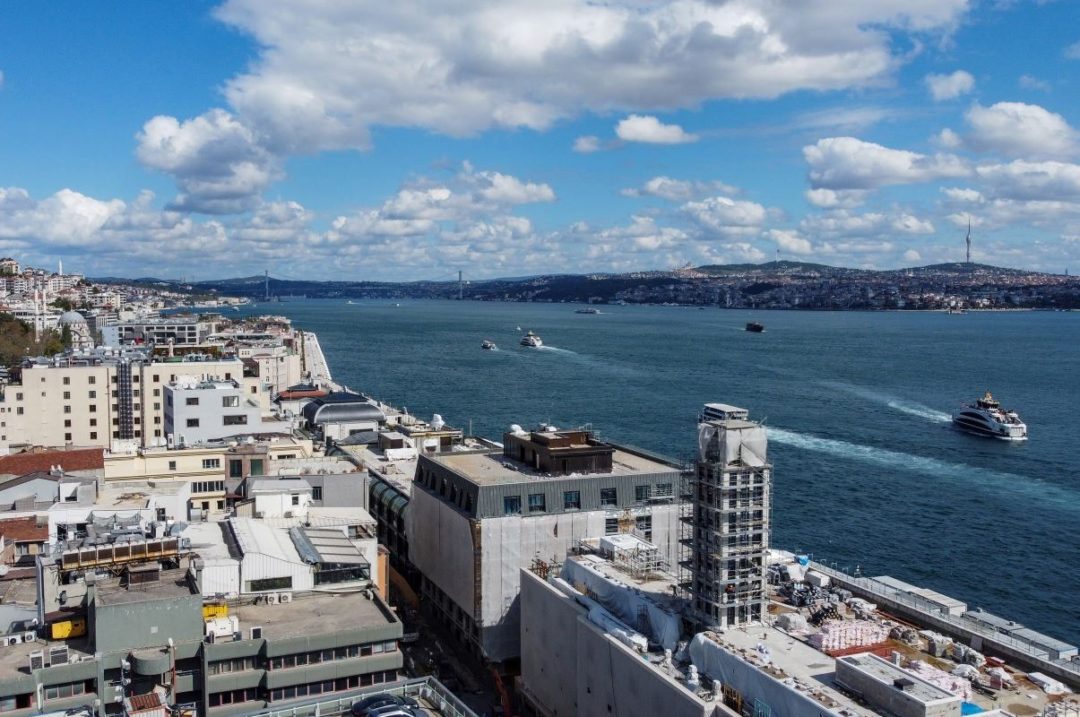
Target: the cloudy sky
(373, 140)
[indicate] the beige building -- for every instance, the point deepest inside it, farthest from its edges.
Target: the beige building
(206, 467)
(102, 399)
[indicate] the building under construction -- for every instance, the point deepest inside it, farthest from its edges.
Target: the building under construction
(729, 524)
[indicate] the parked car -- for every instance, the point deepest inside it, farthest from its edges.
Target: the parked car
(371, 706)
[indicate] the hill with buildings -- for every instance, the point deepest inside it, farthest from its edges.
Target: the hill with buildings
(777, 284)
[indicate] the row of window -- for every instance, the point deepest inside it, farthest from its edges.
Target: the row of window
(286, 662)
(338, 685)
(207, 486)
(572, 498)
(237, 664)
(67, 689)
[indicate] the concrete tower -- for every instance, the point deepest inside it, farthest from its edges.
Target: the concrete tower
(731, 503)
(968, 240)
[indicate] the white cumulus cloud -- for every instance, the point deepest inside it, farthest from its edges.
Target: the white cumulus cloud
(951, 86)
(587, 144)
(648, 129)
(790, 241)
(727, 217)
(850, 163)
(678, 189)
(1020, 130)
(328, 71)
(217, 161)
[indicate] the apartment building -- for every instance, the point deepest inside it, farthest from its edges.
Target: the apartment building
(203, 411)
(103, 398)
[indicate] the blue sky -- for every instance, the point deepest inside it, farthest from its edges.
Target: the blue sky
(341, 139)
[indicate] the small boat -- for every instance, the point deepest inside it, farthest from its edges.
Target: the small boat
(755, 327)
(587, 311)
(488, 345)
(986, 417)
(531, 340)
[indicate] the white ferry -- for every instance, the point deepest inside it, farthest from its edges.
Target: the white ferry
(986, 417)
(531, 340)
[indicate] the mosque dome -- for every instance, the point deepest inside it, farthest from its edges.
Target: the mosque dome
(71, 318)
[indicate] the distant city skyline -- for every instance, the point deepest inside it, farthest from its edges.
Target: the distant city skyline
(360, 141)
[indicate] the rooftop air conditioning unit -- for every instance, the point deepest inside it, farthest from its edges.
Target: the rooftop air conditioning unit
(284, 597)
(13, 639)
(272, 599)
(29, 636)
(256, 633)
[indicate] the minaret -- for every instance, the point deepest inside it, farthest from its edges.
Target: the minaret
(60, 269)
(968, 240)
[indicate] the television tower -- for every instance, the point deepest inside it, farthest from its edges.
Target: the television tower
(968, 240)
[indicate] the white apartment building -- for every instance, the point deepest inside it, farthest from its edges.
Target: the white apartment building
(203, 411)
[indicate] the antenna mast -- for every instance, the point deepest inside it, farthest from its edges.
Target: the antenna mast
(968, 240)
(267, 284)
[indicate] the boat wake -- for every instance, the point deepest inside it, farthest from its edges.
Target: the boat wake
(1005, 483)
(912, 408)
(556, 349)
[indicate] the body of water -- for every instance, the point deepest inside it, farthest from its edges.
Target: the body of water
(867, 470)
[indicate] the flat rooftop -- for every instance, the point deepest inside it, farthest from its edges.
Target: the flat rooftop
(16, 658)
(493, 468)
(800, 661)
(310, 614)
(887, 673)
(173, 584)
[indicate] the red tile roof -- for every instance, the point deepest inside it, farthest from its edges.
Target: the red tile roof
(79, 459)
(141, 703)
(16, 529)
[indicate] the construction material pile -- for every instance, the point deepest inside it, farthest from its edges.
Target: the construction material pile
(953, 684)
(843, 635)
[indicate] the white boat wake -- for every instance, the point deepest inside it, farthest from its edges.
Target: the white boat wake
(1006, 483)
(912, 408)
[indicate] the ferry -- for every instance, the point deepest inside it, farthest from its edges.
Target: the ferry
(488, 345)
(587, 311)
(986, 417)
(755, 327)
(531, 340)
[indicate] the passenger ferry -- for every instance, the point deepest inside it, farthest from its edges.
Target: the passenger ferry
(986, 417)
(531, 340)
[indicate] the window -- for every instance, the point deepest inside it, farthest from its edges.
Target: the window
(92, 394)
(642, 493)
(67, 423)
(609, 496)
(611, 526)
(19, 411)
(67, 380)
(93, 421)
(68, 689)
(230, 401)
(572, 500)
(265, 584)
(92, 380)
(256, 466)
(157, 378)
(67, 409)
(207, 486)
(254, 389)
(172, 465)
(537, 503)
(211, 463)
(664, 490)
(67, 395)
(240, 420)
(316, 492)
(191, 401)
(512, 505)
(67, 438)
(193, 423)
(296, 500)
(93, 435)
(236, 468)
(93, 408)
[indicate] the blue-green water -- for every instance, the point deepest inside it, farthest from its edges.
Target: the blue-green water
(867, 470)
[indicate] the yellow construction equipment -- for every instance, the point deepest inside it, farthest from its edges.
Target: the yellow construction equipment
(75, 627)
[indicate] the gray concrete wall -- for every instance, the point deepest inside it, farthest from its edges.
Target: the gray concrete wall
(146, 624)
(571, 667)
